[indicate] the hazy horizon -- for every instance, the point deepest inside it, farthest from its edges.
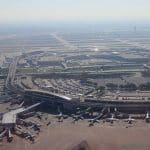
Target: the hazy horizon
(31, 11)
(58, 15)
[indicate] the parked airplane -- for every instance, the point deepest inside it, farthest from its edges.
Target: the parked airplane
(61, 117)
(129, 120)
(25, 134)
(108, 110)
(29, 123)
(77, 117)
(96, 119)
(147, 117)
(115, 109)
(9, 136)
(2, 134)
(29, 136)
(39, 116)
(119, 115)
(111, 119)
(79, 114)
(86, 111)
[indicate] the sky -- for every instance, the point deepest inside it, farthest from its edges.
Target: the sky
(73, 10)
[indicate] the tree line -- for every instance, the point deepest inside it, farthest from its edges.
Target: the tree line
(125, 87)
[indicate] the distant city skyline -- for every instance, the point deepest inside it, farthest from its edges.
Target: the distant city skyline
(72, 10)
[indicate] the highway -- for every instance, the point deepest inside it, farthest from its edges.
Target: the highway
(11, 76)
